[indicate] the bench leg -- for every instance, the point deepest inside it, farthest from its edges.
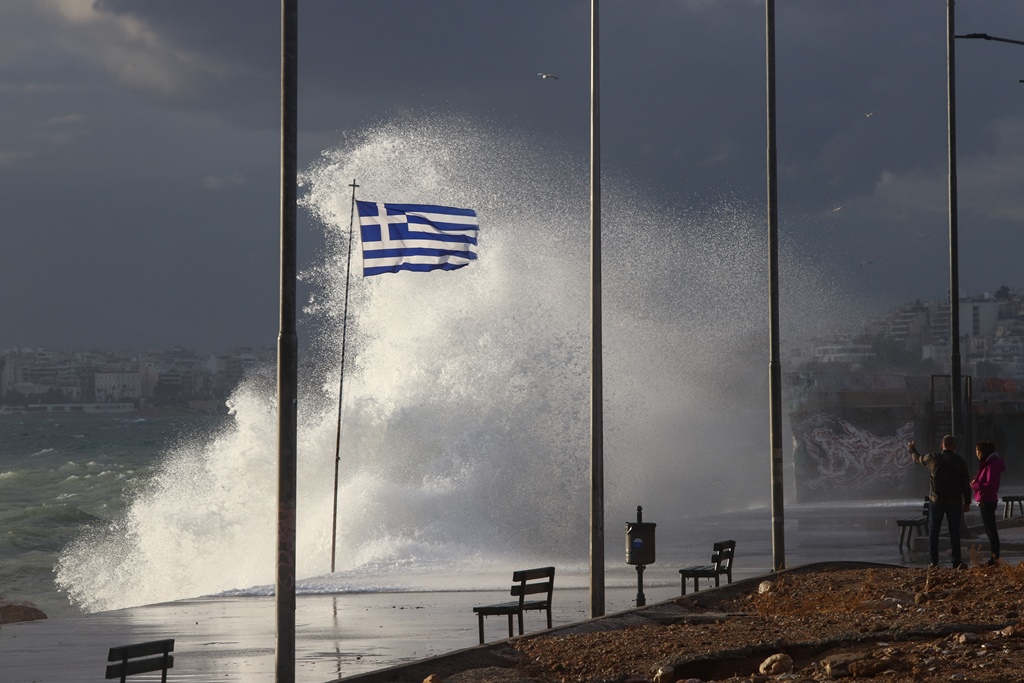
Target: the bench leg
(510, 624)
(481, 619)
(716, 581)
(549, 617)
(903, 532)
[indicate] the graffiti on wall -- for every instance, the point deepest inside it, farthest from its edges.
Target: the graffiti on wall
(847, 458)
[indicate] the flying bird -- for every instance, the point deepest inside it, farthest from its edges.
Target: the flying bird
(864, 263)
(544, 75)
(869, 114)
(837, 209)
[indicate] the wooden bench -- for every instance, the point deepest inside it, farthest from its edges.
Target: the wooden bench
(721, 563)
(524, 582)
(1008, 504)
(908, 525)
(137, 659)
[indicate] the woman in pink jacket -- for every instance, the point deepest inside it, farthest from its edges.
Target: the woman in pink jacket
(986, 492)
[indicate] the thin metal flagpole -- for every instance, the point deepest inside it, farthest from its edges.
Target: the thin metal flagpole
(287, 351)
(341, 381)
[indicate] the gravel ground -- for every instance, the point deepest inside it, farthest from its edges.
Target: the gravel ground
(879, 623)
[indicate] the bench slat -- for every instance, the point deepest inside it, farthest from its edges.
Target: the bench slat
(152, 647)
(702, 571)
(531, 574)
(139, 666)
(510, 607)
(531, 588)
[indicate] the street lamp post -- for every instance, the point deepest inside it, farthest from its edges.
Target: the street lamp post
(774, 361)
(597, 594)
(956, 409)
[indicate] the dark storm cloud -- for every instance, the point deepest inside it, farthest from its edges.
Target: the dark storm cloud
(139, 154)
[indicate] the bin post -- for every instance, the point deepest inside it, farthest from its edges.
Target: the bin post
(641, 600)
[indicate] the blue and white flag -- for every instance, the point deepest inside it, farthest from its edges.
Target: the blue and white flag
(415, 237)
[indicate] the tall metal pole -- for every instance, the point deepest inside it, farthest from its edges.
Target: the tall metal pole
(287, 351)
(596, 369)
(956, 409)
(774, 362)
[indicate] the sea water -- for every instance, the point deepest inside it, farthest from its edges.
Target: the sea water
(59, 476)
(465, 402)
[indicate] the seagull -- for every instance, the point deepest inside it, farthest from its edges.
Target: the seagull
(869, 114)
(837, 209)
(544, 75)
(921, 234)
(864, 263)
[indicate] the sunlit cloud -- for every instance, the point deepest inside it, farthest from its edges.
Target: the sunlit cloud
(127, 48)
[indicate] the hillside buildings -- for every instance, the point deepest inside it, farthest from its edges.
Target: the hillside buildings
(915, 338)
(177, 377)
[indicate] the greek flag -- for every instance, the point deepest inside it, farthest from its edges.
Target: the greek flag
(415, 237)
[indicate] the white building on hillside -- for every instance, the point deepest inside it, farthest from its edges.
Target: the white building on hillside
(118, 386)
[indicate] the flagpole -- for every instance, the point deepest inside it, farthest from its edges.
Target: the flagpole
(597, 599)
(287, 351)
(341, 381)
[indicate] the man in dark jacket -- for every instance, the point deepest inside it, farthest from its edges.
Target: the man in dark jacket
(949, 495)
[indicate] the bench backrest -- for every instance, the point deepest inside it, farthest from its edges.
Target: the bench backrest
(533, 581)
(137, 659)
(722, 555)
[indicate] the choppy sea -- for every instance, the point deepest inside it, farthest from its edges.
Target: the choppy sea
(60, 476)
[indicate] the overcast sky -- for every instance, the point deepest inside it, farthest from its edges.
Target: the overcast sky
(139, 150)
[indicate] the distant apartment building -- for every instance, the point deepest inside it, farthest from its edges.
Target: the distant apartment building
(978, 318)
(117, 387)
(908, 324)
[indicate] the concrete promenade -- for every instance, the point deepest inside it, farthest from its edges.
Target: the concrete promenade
(232, 639)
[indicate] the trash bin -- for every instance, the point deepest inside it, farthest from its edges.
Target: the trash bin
(640, 540)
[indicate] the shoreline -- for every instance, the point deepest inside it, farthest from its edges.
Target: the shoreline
(171, 411)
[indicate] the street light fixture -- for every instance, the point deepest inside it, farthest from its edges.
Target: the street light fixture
(985, 36)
